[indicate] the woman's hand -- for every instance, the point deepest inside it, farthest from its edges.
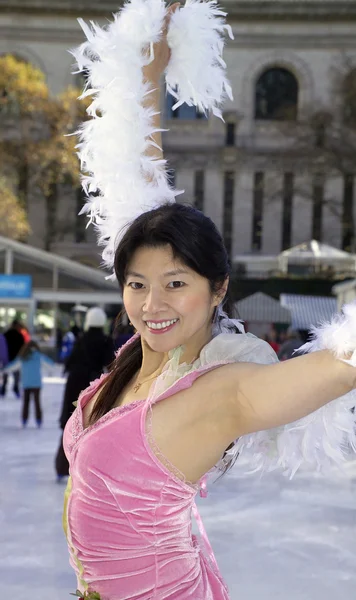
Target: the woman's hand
(153, 71)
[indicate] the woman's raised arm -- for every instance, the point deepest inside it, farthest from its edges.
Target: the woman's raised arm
(266, 396)
(152, 74)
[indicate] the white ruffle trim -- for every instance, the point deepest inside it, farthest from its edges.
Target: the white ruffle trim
(120, 180)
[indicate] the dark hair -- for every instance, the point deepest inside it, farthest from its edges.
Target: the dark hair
(28, 349)
(196, 242)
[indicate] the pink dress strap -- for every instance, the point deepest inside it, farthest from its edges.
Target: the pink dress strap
(185, 381)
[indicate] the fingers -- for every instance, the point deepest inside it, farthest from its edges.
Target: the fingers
(170, 11)
(173, 7)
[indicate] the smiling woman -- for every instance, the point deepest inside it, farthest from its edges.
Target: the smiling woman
(164, 305)
(188, 384)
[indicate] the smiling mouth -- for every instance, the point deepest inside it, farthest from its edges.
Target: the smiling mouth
(161, 327)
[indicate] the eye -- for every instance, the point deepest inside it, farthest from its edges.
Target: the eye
(135, 285)
(176, 284)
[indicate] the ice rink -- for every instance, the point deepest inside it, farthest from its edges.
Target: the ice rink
(273, 539)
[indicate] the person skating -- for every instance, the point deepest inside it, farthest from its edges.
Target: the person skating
(15, 341)
(92, 353)
(30, 361)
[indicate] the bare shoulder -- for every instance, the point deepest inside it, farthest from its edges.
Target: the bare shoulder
(219, 391)
(194, 427)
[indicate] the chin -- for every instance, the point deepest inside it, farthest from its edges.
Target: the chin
(159, 344)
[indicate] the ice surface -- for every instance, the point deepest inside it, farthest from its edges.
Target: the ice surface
(273, 539)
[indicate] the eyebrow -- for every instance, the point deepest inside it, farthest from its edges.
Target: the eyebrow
(168, 274)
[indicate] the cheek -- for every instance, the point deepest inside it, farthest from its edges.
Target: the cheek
(194, 303)
(131, 305)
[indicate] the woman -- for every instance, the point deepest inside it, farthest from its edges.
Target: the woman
(181, 391)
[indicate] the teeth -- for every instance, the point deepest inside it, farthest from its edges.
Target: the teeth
(161, 325)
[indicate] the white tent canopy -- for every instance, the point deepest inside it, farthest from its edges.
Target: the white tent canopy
(261, 308)
(316, 254)
(307, 311)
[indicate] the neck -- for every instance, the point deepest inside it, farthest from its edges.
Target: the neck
(153, 362)
(194, 346)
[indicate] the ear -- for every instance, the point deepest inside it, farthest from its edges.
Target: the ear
(220, 295)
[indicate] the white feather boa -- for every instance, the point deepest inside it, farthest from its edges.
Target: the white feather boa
(196, 74)
(324, 438)
(120, 180)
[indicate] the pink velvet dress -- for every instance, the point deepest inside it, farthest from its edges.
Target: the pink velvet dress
(128, 515)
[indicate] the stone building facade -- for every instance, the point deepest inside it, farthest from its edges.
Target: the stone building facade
(243, 173)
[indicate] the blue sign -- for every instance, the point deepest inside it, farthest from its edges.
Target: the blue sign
(15, 286)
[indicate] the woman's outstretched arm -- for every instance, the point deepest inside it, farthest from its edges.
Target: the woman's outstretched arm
(261, 397)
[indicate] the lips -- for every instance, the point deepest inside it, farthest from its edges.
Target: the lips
(159, 327)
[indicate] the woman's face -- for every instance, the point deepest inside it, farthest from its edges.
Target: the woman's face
(168, 303)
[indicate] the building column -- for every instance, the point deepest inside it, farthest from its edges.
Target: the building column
(37, 218)
(214, 196)
(184, 180)
(9, 261)
(332, 223)
(302, 212)
(242, 215)
(32, 309)
(272, 213)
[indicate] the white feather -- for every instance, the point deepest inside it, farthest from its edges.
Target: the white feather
(196, 74)
(113, 143)
(120, 180)
(338, 336)
(319, 441)
(327, 436)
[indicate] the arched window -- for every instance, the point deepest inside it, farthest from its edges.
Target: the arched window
(276, 95)
(349, 99)
(184, 112)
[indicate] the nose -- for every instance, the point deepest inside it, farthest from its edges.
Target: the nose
(154, 301)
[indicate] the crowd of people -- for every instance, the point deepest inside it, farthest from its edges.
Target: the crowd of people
(85, 354)
(285, 343)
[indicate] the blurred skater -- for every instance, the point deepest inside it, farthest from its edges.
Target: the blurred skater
(30, 361)
(15, 341)
(121, 334)
(92, 353)
(4, 354)
(68, 342)
(290, 345)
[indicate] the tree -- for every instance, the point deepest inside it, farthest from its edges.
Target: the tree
(23, 93)
(13, 218)
(54, 157)
(34, 146)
